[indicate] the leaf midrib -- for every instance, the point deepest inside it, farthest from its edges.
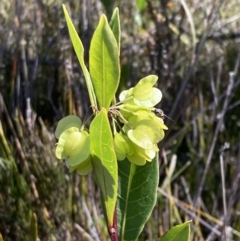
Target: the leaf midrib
(103, 73)
(127, 198)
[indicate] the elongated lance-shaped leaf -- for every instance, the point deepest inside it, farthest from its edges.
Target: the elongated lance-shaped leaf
(136, 197)
(104, 162)
(177, 233)
(115, 26)
(79, 50)
(104, 63)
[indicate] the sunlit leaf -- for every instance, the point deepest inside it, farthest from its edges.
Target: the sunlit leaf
(137, 197)
(115, 26)
(104, 162)
(177, 233)
(67, 122)
(104, 63)
(79, 50)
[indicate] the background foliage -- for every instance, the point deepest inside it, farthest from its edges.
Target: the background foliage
(193, 46)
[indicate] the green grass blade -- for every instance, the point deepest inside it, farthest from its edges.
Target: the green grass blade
(34, 227)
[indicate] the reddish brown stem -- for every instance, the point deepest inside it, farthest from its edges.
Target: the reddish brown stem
(112, 230)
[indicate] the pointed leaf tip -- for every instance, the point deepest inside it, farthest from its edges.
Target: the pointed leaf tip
(177, 233)
(104, 63)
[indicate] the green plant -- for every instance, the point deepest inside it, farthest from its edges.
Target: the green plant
(123, 154)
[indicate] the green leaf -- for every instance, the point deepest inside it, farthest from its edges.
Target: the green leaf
(136, 198)
(177, 233)
(79, 50)
(115, 26)
(104, 162)
(141, 4)
(104, 63)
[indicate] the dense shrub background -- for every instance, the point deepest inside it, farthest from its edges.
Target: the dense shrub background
(193, 46)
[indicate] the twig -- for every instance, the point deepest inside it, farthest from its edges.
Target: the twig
(217, 130)
(223, 195)
(190, 70)
(210, 107)
(83, 232)
(91, 223)
(192, 211)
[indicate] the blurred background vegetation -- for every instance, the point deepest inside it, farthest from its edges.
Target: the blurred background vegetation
(193, 46)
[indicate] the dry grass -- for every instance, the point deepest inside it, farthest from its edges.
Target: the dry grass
(192, 46)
